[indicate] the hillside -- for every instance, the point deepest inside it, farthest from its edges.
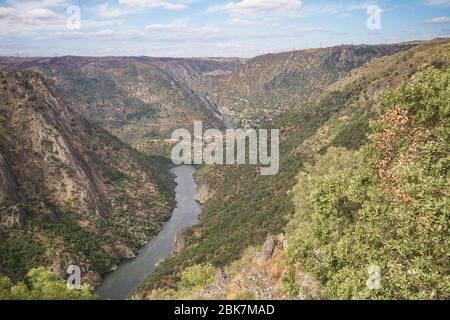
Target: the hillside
(245, 208)
(70, 193)
(190, 70)
(363, 175)
(382, 208)
(264, 87)
(137, 99)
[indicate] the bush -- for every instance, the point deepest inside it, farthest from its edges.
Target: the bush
(41, 284)
(196, 277)
(390, 208)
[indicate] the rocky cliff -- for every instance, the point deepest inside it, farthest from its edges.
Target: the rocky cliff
(135, 98)
(264, 87)
(70, 192)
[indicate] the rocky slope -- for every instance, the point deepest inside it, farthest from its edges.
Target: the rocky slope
(369, 223)
(264, 87)
(137, 99)
(70, 193)
(246, 207)
(190, 70)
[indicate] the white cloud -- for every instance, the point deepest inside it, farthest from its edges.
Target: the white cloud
(107, 34)
(30, 17)
(445, 32)
(290, 8)
(267, 22)
(93, 24)
(22, 22)
(441, 3)
(128, 7)
(7, 12)
(169, 5)
(332, 9)
(311, 29)
(243, 22)
(294, 30)
(163, 33)
(42, 14)
(180, 30)
(41, 4)
(258, 7)
(263, 6)
(438, 20)
(105, 10)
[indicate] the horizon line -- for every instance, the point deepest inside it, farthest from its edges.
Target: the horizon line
(227, 57)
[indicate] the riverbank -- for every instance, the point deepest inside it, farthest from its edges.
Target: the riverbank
(119, 284)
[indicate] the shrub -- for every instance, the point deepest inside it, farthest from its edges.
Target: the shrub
(389, 209)
(41, 284)
(196, 277)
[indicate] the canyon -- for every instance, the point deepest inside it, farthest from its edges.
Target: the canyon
(86, 179)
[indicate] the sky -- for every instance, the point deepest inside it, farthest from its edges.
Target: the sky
(205, 28)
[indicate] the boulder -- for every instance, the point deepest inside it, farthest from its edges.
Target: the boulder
(13, 217)
(124, 252)
(272, 243)
(217, 288)
(268, 249)
(202, 195)
(308, 286)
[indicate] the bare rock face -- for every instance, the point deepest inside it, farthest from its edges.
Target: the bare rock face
(308, 286)
(270, 245)
(180, 241)
(202, 194)
(217, 288)
(8, 186)
(125, 252)
(268, 249)
(14, 217)
(73, 177)
(318, 256)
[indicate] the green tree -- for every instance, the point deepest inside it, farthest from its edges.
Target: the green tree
(388, 205)
(41, 284)
(196, 277)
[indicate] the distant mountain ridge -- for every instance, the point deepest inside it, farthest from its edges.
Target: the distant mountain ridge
(274, 83)
(70, 193)
(244, 209)
(133, 97)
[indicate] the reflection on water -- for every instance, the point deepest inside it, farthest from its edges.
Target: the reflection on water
(119, 284)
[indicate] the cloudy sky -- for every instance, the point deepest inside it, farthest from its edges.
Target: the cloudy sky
(210, 28)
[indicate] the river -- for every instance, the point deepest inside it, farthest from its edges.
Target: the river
(118, 285)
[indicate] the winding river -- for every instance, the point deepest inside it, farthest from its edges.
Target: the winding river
(118, 285)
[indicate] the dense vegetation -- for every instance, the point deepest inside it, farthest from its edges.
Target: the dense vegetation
(41, 284)
(268, 85)
(384, 208)
(387, 205)
(71, 193)
(363, 182)
(245, 207)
